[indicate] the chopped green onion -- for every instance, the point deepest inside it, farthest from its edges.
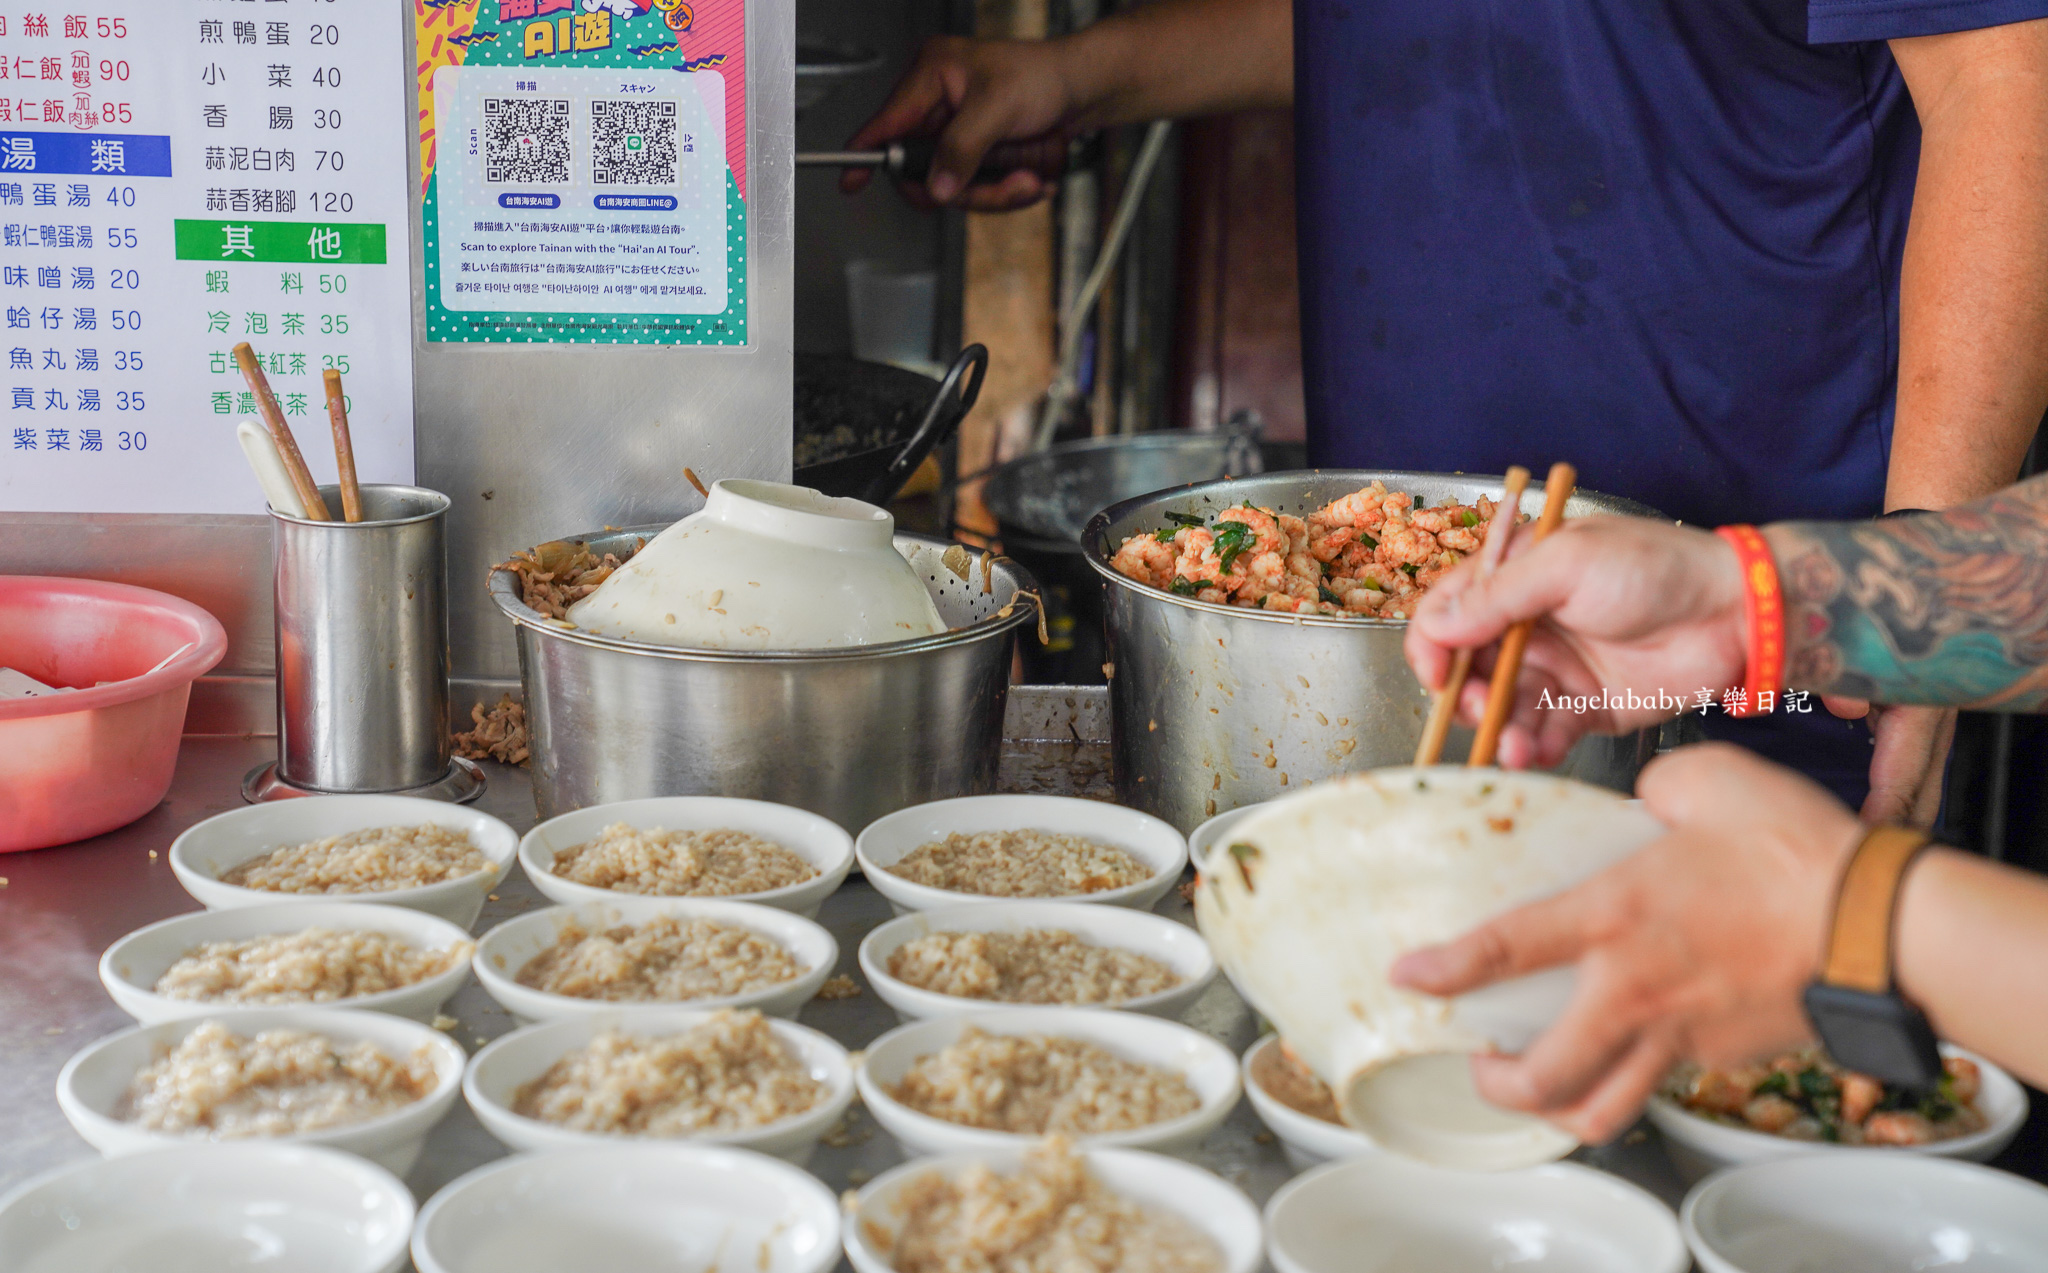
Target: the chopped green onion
(1329, 596)
(1468, 518)
(1185, 519)
(1166, 536)
(1368, 541)
(1184, 587)
(1232, 538)
(1410, 568)
(1373, 584)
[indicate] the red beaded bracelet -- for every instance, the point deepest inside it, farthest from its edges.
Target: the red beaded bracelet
(1763, 607)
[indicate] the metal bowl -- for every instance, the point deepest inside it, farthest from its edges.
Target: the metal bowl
(1213, 707)
(851, 733)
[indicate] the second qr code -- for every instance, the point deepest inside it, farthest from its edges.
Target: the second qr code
(632, 143)
(526, 140)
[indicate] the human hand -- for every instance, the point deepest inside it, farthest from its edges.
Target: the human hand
(1695, 948)
(971, 94)
(1623, 605)
(1909, 763)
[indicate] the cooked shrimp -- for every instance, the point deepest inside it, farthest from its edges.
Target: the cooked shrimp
(1403, 545)
(1328, 546)
(1770, 1113)
(1860, 1095)
(1896, 1127)
(1965, 1079)
(1460, 539)
(1145, 559)
(1296, 531)
(1267, 534)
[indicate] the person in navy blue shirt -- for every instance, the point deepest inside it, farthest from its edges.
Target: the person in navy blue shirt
(1742, 260)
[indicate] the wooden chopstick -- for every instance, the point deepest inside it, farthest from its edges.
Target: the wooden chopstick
(344, 448)
(690, 476)
(1498, 532)
(1500, 695)
(281, 433)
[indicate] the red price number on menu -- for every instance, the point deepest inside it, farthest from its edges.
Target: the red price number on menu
(111, 28)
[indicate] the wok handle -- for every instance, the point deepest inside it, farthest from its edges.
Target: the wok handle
(940, 419)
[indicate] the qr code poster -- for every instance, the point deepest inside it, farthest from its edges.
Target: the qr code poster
(526, 141)
(583, 204)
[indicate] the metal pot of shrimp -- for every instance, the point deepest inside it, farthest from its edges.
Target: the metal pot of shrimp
(850, 732)
(1255, 650)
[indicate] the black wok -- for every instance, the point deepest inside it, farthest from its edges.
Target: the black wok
(862, 428)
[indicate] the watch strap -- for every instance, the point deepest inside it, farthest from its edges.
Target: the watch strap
(1859, 951)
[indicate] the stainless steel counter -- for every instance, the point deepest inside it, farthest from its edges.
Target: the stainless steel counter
(61, 907)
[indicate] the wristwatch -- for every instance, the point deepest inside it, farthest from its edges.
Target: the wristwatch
(1865, 1023)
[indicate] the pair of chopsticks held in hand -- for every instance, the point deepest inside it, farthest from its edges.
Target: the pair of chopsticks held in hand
(308, 492)
(1500, 696)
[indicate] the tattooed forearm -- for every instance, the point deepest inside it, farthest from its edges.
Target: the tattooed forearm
(1944, 608)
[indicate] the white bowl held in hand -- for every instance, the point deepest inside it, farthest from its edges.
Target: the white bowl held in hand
(1310, 902)
(1207, 1065)
(1866, 1213)
(1383, 1212)
(1148, 839)
(511, 945)
(817, 840)
(93, 1085)
(498, 1072)
(1308, 1141)
(766, 566)
(207, 851)
(1698, 1146)
(209, 1208)
(1206, 1202)
(631, 1205)
(131, 966)
(1172, 943)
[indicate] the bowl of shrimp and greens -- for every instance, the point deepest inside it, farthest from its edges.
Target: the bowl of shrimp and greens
(1803, 1102)
(1371, 553)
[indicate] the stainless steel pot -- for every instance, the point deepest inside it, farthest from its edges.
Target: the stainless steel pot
(848, 733)
(1213, 707)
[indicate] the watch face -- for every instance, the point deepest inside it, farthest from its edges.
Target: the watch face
(1879, 1035)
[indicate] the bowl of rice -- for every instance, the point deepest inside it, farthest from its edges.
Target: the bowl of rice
(717, 1077)
(424, 855)
(1010, 848)
(994, 954)
(628, 953)
(1297, 1107)
(690, 846)
(348, 954)
(367, 1083)
(990, 1079)
(1049, 1205)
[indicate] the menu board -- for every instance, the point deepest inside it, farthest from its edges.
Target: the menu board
(584, 170)
(176, 177)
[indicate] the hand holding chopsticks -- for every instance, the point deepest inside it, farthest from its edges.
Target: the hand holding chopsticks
(1507, 665)
(1498, 532)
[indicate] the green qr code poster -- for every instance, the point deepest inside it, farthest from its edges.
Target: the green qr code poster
(584, 170)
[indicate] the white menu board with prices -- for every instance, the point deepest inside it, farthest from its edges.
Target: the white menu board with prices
(177, 177)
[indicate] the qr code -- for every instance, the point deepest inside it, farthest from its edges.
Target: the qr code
(632, 143)
(526, 140)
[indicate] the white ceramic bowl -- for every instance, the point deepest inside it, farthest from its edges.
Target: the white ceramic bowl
(1307, 1141)
(1698, 1146)
(504, 950)
(1207, 1065)
(92, 1084)
(203, 853)
(1205, 836)
(1172, 943)
(817, 840)
(1866, 1213)
(206, 1208)
(498, 1072)
(1144, 837)
(131, 966)
(1205, 1201)
(1385, 1212)
(629, 1206)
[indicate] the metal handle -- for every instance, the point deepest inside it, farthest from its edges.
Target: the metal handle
(940, 419)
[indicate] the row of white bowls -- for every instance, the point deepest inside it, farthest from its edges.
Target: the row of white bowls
(210, 849)
(90, 1088)
(132, 966)
(200, 1208)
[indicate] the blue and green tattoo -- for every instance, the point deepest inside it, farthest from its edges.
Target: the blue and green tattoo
(1946, 608)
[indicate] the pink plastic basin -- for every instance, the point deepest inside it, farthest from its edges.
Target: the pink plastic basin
(74, 765)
